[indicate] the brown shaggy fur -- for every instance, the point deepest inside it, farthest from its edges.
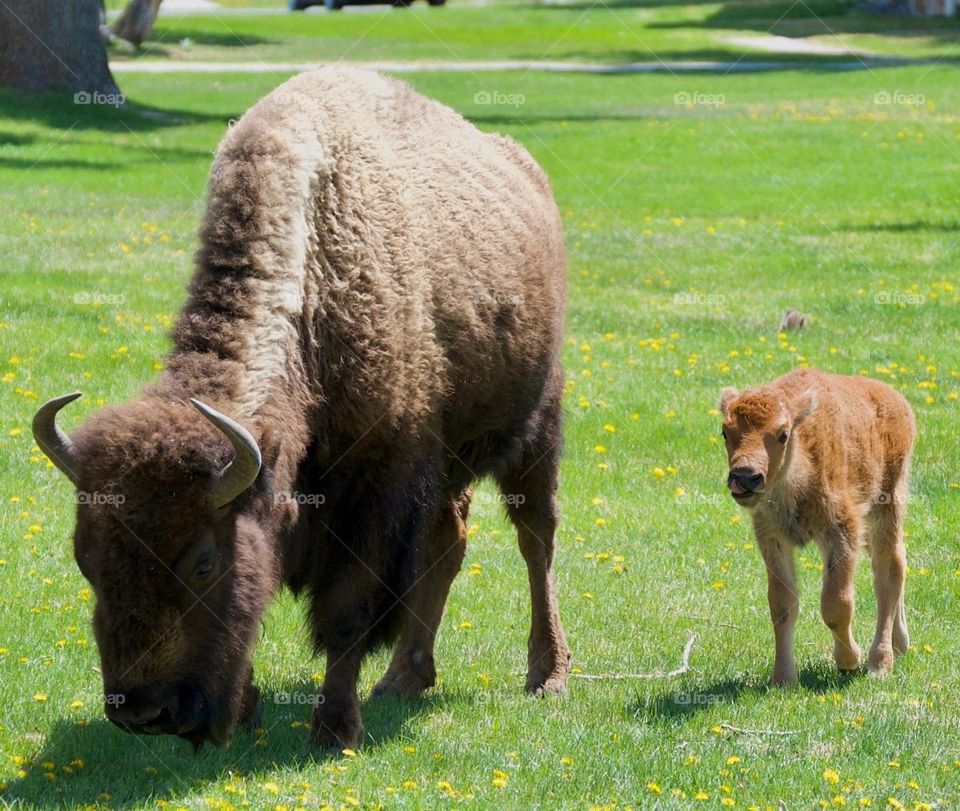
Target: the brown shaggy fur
(820, 456)
(379, 299)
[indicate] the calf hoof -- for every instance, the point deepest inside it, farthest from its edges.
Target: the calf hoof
(847, 658)
(784, 676)
(880, 663)
(336, 726)
(901, 641)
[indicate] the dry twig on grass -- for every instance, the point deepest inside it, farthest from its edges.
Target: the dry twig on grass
(684, 667)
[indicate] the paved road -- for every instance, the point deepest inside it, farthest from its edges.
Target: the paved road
(691, 66)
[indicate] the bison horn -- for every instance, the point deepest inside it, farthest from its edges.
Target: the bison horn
(243, 470)
(52, 441)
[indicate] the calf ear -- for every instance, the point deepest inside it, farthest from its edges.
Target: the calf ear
(727, 396)
(804, 406)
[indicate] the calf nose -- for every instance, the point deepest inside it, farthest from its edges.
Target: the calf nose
(746, 477)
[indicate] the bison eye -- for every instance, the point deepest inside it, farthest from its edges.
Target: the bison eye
(204, 565)
(782, 439)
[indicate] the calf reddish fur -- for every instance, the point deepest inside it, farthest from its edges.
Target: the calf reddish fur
(834, 453)
(379, 299)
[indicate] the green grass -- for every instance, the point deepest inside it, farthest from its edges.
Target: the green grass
(689, 229)
(608, 32)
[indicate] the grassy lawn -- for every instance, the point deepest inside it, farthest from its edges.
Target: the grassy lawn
(690, 227)
(609, 32)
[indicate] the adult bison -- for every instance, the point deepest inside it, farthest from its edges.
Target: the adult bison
(374, 322)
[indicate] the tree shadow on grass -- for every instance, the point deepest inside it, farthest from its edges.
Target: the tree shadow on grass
(65, 110)
(915, 226)
(97, 759)
(815, 18)
(677, 705)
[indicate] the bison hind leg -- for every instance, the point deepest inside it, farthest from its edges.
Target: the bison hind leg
(529, 491)
(412, 669)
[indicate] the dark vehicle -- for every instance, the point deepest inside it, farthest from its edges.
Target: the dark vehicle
(336, 5)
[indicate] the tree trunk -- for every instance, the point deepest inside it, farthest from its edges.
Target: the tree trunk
(53, 45)
(136, 21)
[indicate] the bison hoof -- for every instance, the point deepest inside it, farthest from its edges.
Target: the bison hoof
(332, 729)
(251, 714)
(552, 682)
(553, 686)
(402, 685)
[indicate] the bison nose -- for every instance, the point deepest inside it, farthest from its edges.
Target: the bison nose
(134, 710)
(744, 480)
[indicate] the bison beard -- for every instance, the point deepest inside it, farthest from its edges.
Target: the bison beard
(374, 322)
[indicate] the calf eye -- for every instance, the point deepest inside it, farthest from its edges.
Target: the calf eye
(723, 433)
(782, 439)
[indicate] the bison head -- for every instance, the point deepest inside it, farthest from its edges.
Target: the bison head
(758, 428)
(170, 532)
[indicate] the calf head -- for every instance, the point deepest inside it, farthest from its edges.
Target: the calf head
(758, 427)
(172, 533)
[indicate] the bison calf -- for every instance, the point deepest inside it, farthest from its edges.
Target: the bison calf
(820, 456)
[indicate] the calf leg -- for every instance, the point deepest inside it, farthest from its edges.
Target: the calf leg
(837, 596)
(784, 604)
(889, 561)
(529, 490)
(412, 669)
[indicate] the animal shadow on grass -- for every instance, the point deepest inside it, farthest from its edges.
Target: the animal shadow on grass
(677, 704)
(96, 761)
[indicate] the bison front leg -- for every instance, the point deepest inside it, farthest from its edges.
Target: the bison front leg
(412, 668)
(336, 717)
(784, 605)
